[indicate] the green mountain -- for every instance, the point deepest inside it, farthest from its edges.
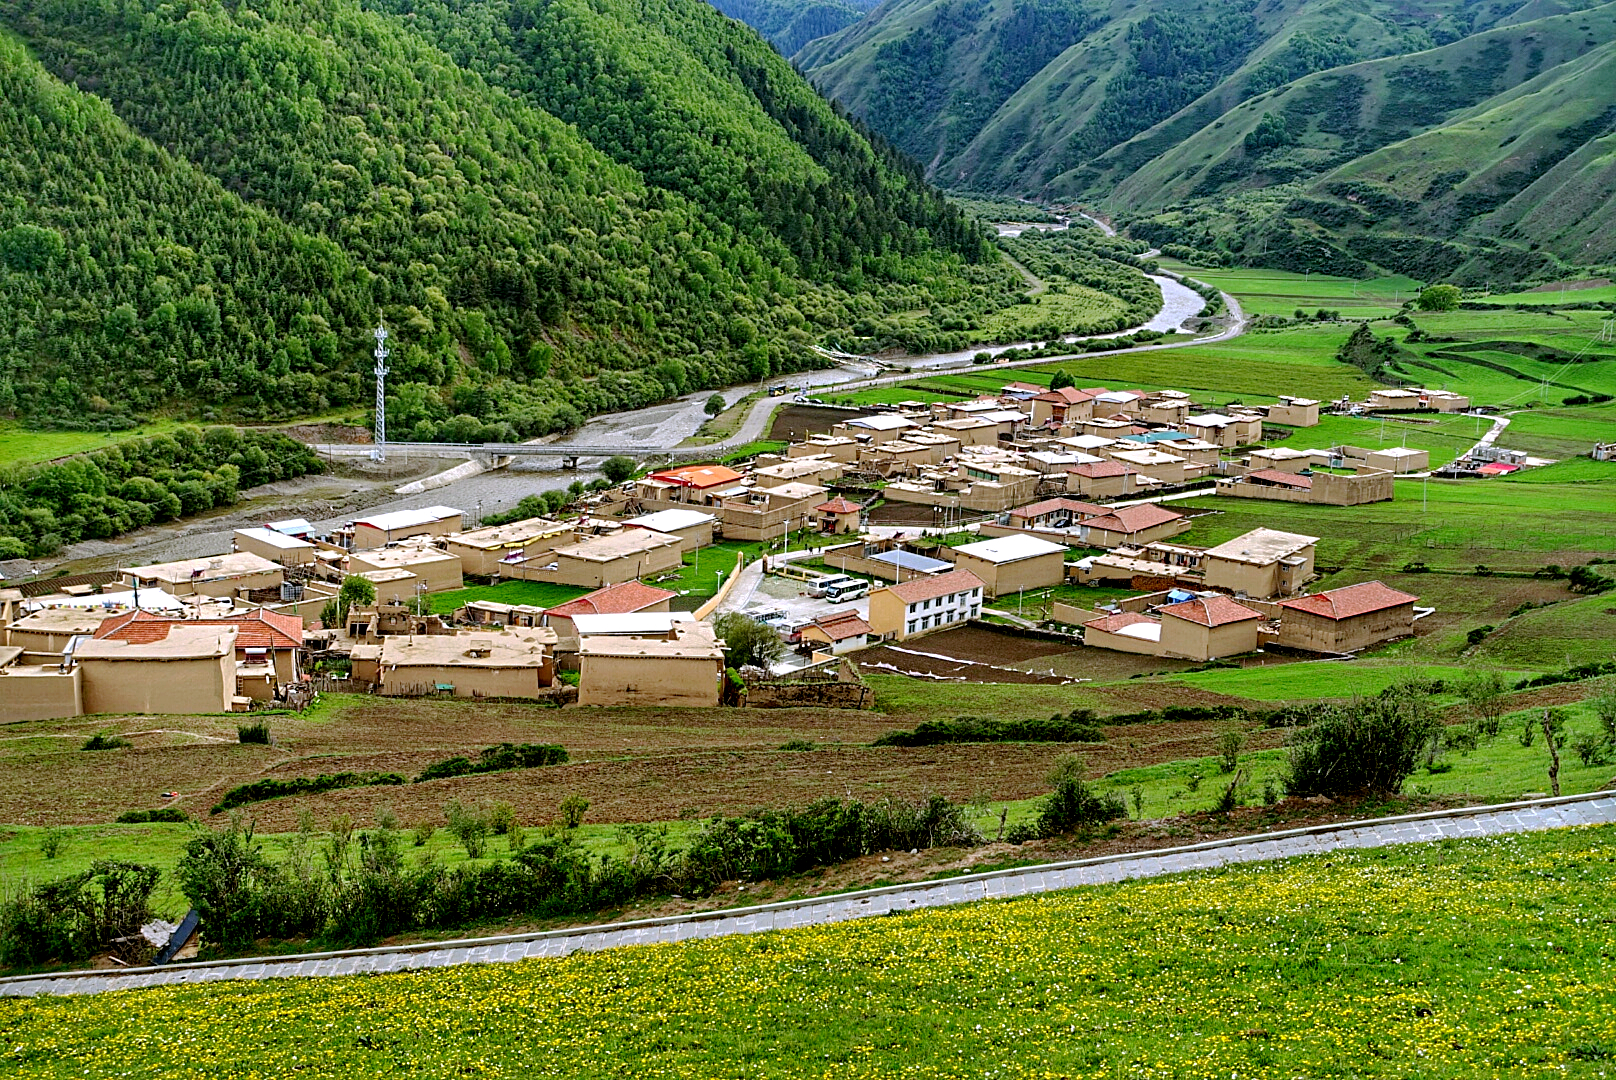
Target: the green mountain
(791, 24)
(598, 207)
(1264, 133)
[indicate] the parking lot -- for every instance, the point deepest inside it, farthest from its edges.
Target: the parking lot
(788, 595)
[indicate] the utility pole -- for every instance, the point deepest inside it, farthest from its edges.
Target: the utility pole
(380, 438)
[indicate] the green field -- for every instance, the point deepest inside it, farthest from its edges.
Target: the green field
(1444, 439)
(1319, 679)
(1452, 524)
(1340, 964)
(1062, 304)
(1281, 292)
(1551, 296)
(536, 593)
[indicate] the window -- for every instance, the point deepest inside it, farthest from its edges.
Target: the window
(912, 624)
(976, 611)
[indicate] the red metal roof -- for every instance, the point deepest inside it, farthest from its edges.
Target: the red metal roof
(1110, 624)
(1210, 611)
(698, 476)
(1351, 600)
(1498, 468)
(1281, 479)
(1050, 506)
(1096, 469)
(838, 505)
(258, 629)
(1132, 519)
(929, 588)
(1071, 395)
(620, 599)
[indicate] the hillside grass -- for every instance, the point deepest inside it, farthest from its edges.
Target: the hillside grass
(1333, 964)
(1444, 439)
(24, 446)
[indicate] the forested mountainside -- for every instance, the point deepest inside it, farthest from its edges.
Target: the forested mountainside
(791, 24)
(1267, 131)
(208, 205)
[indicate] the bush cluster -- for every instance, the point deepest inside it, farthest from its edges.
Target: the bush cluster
(359, 888)
(271, 788)
(1367, 745)
(1069, 807)
(161, 814)
(1078, 726)
(1575, 673)
(496, 759)
(73, 918)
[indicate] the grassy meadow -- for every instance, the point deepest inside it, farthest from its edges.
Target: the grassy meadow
(1343, 964)
(1282, 292)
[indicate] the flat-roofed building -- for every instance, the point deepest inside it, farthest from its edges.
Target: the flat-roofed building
(431, 570)
(191, 669)
(925, 604)
(236, 574)
(379, 530)
(1347, 619)
(1294, 412)
(1226, 430)
(1400, 459)
(769, 513)
(798, 470)
(836, 447)
(1286, 460)
(605, 560)
(1261, 563)
(694, 528)
(874, 429)
(47, 632)
(509, 662)
(969, 430)
(683, 668)
(277, 547)
(1165, 467)
(1007, 564)
(485, 552)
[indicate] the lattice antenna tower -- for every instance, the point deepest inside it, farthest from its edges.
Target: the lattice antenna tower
(1607, 331)
(380, 439)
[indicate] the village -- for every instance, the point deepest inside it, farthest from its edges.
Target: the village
(1029, 489)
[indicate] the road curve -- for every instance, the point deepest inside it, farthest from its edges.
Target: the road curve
(1598, 808)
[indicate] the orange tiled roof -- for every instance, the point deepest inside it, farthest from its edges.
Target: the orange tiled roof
(620, 599)
(1351, 600)
(929, 588)
(260, 629)
(1210, 611)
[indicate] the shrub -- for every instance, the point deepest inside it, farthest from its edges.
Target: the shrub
(502, 819)
(1591, 749)
(254, 733)
(1078, 726)
(106, 742)
(469, 828)
(799, 744)
(52, 842)
(161, 814)
(240, 896)
(422, 833)
(1478, 634)
(1366, 745)
(496, 759)
(1070, 806)
(1229, 747)
(573, 808)
(618, 469)
(259, 790)
(72, 918)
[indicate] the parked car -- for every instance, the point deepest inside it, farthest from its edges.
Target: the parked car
(819, 587)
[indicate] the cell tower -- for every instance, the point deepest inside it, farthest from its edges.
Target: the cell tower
(380, 452)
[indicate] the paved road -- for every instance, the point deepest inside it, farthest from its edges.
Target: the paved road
(1530, 816)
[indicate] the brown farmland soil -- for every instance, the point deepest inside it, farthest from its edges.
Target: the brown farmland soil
(792, 422)
(632, 765)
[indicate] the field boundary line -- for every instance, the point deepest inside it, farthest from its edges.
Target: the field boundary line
(1527, 815)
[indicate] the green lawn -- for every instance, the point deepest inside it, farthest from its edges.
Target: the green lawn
(1552, 297)
(1459, 959)
(700, 574)
(20, 446)
(536, 593)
